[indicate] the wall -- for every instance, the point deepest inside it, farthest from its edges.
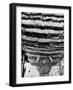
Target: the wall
(4, 43)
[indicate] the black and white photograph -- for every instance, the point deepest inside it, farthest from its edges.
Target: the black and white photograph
(40, 40)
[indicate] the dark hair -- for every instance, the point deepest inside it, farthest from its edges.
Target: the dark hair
(25, 56)
(23, 52)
